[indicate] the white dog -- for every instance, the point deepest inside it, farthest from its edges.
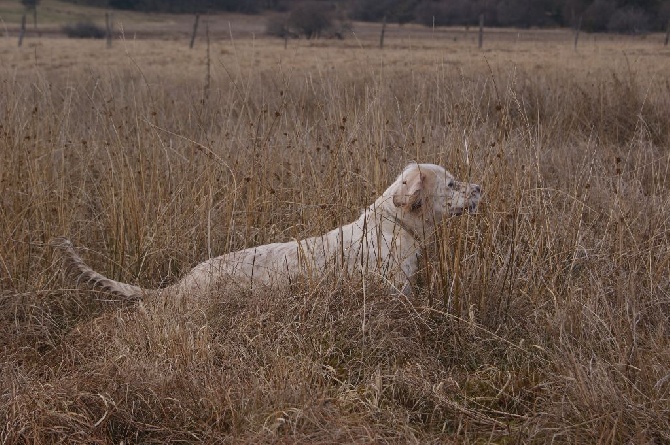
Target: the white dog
(386, 241)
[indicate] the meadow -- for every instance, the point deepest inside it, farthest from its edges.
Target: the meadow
(544, 317)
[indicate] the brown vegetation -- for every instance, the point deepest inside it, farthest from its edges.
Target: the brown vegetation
(545, 317)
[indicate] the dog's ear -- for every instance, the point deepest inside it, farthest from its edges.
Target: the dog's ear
(410, 193)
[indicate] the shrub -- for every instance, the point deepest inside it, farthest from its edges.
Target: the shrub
(597, 16)
(445, 14)
(372, 10)
(294, 25)
(84, 30)
(630, 21)
(310, 19)
(277, 26)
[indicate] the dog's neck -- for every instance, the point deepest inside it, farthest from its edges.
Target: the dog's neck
(400, 223)
(384, 207)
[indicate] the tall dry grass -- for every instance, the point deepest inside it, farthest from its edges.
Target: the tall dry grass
(545, 317)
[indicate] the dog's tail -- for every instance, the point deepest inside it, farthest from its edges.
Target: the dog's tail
(75, 265)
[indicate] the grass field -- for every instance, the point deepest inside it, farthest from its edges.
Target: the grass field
(543, 318)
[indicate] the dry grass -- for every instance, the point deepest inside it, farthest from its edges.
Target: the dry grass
(543, 318)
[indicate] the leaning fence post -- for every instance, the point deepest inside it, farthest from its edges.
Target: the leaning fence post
(481, 31)
(195, 30)
(39, 33)
(577, 29)
(208, 79)
(23, 29)
(108, 29)
(381, 38)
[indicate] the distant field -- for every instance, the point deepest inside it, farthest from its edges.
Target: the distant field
(543, 318)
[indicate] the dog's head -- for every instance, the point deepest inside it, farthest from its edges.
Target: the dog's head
(430, 191)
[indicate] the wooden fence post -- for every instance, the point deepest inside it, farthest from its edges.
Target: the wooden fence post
(208, 79)
(23, 29)
(481, 31)
(35, 19)
(195, 30)
(108, 29)
(381, 38)
(577, 29)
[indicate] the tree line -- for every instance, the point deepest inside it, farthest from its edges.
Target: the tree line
(591, 15)
(628, 16)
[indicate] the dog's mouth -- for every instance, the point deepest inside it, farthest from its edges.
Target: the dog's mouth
(458, 211)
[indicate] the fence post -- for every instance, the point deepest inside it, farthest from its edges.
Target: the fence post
(208, 79)
(108, 29)
(23, 29)
(195, 30)
(381, 38)
(39, 34)
(577, 29)
(481, 31)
